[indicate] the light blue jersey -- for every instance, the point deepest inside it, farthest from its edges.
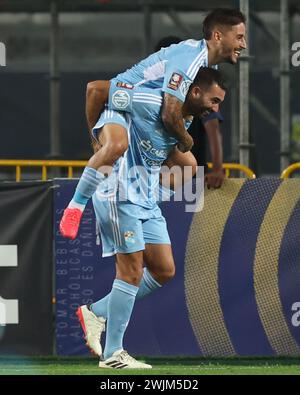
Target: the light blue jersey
(126, 204)
(136, 173)
(171, 69)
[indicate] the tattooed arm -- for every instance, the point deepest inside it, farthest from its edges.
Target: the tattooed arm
(173, 121)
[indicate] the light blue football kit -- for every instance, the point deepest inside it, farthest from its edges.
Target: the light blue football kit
(171, 69)
(137, 96)
(126, 202)
(139, 92)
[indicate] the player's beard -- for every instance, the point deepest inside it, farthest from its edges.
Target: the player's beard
(228, 55)
(204, 111)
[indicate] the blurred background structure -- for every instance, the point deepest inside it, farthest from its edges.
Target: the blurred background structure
(55, 47)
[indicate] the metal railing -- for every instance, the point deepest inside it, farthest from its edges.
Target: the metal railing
(289, 170)
(236, 166)
(71, 164)
(43, 164)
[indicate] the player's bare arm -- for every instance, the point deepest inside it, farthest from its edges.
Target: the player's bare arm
(182, 160)
(173, 122)
(96, 97)
(216, 177)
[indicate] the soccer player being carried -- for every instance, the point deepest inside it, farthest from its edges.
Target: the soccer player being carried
(131, 224)
(171, 69)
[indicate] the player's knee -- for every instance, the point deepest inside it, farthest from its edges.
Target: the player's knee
(130, 272)
(132, 276)
(118, 148)
(115, 149)
(166, 274)
(169, 273)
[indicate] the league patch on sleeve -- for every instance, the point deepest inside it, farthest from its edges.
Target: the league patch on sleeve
(124, 85)
(175, 81)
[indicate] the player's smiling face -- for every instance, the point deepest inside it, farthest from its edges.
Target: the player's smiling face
(232, 42)
(201, 102)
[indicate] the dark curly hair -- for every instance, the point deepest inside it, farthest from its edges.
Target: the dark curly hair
(222, 17)
(207, 76)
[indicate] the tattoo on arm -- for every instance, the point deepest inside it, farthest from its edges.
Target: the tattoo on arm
(172, 116)
(173, 122)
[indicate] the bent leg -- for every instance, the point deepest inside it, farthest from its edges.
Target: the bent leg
(113, 137)
(160, 262)
(113, 142)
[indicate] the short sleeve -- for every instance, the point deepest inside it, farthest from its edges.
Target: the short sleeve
(182, 66)
(176, 83)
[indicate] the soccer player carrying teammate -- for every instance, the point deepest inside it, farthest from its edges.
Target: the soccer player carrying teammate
(203, 129)
(171, 69)
(131, 224)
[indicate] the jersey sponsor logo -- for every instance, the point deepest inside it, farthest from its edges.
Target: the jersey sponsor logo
(148, 147)
(160, 131)
(151, 162)
(121, 99)
(124, 85)
(184, 87)
(175, 81)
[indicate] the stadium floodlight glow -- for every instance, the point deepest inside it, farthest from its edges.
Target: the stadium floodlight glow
(296, 55)
(2, 54)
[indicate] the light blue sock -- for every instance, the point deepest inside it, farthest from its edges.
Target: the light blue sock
(148, 284)
(119, 309)
(99, 308)
(86, 187)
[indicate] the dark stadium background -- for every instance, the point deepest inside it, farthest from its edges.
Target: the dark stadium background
(106, 45)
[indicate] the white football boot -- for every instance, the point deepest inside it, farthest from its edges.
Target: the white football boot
(92, 327)
(122, 360)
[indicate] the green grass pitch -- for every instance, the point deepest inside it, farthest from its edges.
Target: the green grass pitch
(161, 366)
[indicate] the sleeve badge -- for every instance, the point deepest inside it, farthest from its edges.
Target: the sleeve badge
(175, 81)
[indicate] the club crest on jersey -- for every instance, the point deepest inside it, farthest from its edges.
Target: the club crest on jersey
(175, 81)
(184, 87)
(129, 236)
(124, 85)
(121, 100)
